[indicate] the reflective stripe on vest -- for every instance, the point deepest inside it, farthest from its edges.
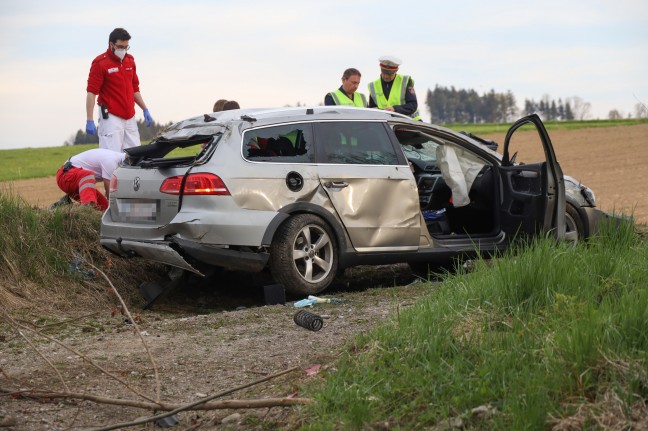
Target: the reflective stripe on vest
(340, 98)
(395, 97)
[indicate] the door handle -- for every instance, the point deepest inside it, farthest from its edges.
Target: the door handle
(336, 184)
(528, 174)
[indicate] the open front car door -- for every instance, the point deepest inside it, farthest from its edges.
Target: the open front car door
(533, 194)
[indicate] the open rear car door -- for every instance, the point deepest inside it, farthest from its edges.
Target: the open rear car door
(533, 194)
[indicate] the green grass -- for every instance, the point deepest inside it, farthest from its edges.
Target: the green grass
(544, 332)
(36, 162)
(28, 163)
(37, 244)
(38, 251)
(44, 162)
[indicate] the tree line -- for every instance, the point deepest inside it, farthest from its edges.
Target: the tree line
(449, 105)
(146, 134)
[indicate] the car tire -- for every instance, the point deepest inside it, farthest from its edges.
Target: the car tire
(303, 255)
(574, 230)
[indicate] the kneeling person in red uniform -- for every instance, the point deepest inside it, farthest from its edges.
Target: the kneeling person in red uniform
(77, 177)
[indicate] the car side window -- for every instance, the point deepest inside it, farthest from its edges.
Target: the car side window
(365, 143)
(291, 143)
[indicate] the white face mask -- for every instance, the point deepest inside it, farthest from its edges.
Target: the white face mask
(121, 53)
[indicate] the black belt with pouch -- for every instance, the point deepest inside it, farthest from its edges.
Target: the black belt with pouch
(67, 166)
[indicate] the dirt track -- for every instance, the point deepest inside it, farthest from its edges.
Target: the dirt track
(612, 161)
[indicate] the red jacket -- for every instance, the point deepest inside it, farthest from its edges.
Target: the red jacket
(115, 82)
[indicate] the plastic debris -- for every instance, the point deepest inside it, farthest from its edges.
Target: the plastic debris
(434, 214)
(313, 370)
(167, 422)
(76, 266)
(312, 300)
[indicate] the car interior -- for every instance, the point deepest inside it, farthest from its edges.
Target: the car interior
(276, 142)
(438, 187)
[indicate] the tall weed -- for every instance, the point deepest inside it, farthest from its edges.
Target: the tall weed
(527, 334)
(40, 251)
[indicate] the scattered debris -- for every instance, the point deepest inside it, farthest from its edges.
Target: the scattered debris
(274, 294)
(308, 320)
(312, 300)
(313, 370)
(75, 266)
(167, 422)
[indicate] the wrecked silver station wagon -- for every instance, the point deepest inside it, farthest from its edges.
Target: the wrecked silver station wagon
(307, 192)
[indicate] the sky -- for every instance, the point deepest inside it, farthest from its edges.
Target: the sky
(268, 53)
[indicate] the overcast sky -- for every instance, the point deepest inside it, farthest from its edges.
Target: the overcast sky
(277, 52)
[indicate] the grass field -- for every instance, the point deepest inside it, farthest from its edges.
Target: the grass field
(36, 162)
(607, 156)
(545, 338)
(44, 162)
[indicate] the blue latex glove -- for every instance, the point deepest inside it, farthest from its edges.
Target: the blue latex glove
(147, 118)
(305, 303)
(90, 127)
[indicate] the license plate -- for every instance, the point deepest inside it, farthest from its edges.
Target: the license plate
(138, 210)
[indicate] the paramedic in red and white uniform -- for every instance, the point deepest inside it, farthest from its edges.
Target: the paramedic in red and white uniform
(113, 77)
(78, 176)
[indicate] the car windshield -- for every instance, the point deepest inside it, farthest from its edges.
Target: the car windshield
(425, 152)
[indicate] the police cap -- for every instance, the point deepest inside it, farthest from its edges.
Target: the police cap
(389, 64)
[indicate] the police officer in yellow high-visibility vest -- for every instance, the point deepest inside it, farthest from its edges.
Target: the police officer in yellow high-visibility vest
(393, 92)
(346, 94)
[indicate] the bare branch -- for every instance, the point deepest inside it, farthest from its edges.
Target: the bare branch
(167, 407)
(45, 359)
(76, 352)
(172, 409)
(139, 333)
(197, 403)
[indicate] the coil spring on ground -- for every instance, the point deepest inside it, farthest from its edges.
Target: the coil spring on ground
(308, 320)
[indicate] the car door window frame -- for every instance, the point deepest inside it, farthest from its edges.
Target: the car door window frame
(274, 143)
(326, 141)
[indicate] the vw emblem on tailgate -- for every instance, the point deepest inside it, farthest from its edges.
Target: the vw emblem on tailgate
(136, 183)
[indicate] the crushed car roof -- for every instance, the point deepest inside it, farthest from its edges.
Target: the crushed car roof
(215, 122)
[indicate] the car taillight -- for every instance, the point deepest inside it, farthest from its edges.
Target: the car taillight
(195, 184)
(113, 184)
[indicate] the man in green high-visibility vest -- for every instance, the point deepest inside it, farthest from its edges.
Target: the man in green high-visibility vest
(393, 92)
(347, 93)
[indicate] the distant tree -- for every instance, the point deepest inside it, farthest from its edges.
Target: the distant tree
(449, 105)
(615, 115)
(82, 138)
(146, 133)
(510, 107)
(69, 141)
(569, 115)
(580, 108)
(542, 108)
(529, 107)
(553, 111)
